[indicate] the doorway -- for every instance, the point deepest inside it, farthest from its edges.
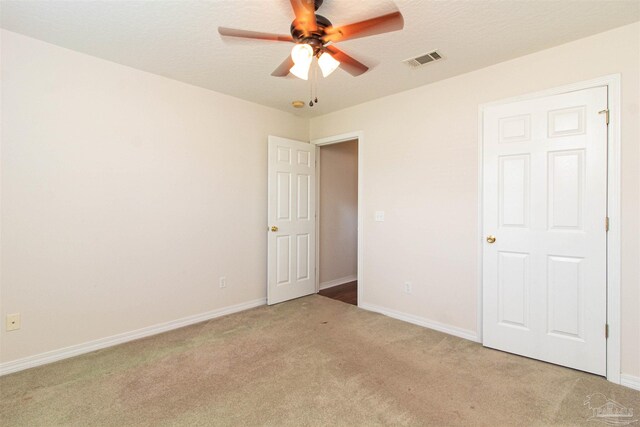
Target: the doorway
(337, 219)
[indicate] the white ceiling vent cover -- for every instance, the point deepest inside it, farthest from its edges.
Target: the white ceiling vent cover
(423, 59)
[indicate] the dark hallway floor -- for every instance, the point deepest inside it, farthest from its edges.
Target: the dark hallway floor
(346, 293)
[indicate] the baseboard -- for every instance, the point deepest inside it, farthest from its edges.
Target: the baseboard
(76, 350)
(338, 282)
(420, 321)
(630, 381)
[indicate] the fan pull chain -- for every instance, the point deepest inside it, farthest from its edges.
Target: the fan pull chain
(315, 81)
(313, 87)
(311, 83)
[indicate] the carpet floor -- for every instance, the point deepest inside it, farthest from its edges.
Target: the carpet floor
(308, 362)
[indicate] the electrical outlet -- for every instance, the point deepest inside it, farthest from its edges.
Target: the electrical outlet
(223, 282)
(407, 287)
(379, 216)
(13, 321)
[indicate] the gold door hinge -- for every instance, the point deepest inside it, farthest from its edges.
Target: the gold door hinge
(606, 113)
(606, 224)
(606, 330)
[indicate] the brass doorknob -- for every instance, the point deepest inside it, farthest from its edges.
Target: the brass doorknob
(491, 239)
(274, 228)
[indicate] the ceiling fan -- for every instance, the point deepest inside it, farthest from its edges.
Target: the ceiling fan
(314, 36)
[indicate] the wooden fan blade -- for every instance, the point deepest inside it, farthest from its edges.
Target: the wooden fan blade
(382, 24)
(232, 32)
(349, 64)
(305, 12)
(283, 69)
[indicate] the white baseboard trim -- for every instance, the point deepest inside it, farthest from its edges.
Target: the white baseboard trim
(630, 381)
(420, 321)
(78, 349)
(338, 282)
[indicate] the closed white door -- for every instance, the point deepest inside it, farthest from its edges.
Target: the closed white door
(291, 254)
(545, 203)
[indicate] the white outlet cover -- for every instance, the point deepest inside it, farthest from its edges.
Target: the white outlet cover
(379, 216)
(407, 287)
(223, 282)
(13, 322)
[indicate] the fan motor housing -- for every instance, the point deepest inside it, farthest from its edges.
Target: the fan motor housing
(315, 38)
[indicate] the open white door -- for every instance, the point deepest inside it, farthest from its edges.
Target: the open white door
(291, 257)
(545, 209)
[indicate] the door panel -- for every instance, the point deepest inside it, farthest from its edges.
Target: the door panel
(565, 284)
(545, 183)
(303, 257)
(291, 215)
(284, 196)
(566, 185)
(513, 282)
(283, 259)
(514, 191)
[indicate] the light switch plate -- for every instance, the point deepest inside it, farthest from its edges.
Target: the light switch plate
(379, 216)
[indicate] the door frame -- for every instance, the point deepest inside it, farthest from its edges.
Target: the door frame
(336, 139)
(612, 82)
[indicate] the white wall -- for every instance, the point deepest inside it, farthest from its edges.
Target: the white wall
(420, 165)
(338, 211)
(125, 196)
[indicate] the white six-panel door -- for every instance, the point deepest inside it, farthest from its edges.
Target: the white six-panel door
(291, 243)
(544, 202)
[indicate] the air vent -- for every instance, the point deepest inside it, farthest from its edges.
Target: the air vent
(423, 59)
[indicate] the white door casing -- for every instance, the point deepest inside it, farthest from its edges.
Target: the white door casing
(291, 245)
(545, 201)
(336, 139)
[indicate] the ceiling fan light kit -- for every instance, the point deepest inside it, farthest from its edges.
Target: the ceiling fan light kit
(315, 36)
(301, 71)
(302, 56)
(328, 64)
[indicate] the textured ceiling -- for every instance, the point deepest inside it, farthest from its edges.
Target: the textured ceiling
(179, 39)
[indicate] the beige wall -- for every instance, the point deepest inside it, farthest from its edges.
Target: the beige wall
(125, 196)
(420, 165)
(338, 211)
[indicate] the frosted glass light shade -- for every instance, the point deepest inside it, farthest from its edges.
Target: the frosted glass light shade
(302, 55)
(301, 71)
(328, 64)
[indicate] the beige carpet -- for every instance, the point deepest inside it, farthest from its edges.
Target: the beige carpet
(312, 361)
